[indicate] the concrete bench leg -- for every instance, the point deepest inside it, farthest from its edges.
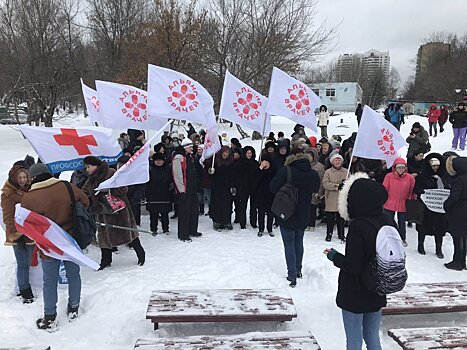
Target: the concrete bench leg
(156, 326)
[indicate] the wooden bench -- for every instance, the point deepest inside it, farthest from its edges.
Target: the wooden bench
(220, 305)
(427, 298)
(256, 341)
(430, 338)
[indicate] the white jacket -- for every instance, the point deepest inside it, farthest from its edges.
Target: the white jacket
(323, 118)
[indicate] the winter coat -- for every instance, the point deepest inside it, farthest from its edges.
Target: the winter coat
(11, 195)
(433, 115)
(443, 116)
(241, 178)
(264, 196)
(158, 188)
(358, 113)
(107, 236)
(79, 178)
(220, 209)
(400, 188)
(51, 199)
(191, 131)
(323, 118)
(135, 193)
(456, 204)
(458, 119)
(333, 177)
(414, 166)
(124, 144)
(361, 202)
(319, 168)
(184, 173)
(433, 223)
(306, 180)
(251, 166)
(418, 142)
(395, 116)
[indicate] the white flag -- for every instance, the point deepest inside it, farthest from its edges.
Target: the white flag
(63, 149)
(243, 105)
(292, 99)
(177, 96)
(136, 170)
(91, 99)
(377, 138)
(125, 106)
(211, 141)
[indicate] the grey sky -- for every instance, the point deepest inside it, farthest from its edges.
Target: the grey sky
(397, 26)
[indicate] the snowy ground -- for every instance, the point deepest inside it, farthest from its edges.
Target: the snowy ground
(114, 301)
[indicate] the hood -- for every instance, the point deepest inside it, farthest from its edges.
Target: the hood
(299, 161)
(398, 161)
(249, 148)
(433, 106)
(427, 167)
(361, 197)
(314, 154)
(456, 165)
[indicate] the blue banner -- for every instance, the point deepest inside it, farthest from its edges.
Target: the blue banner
(77, 164)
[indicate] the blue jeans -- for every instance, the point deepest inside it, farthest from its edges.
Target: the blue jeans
(293, 248)
(362, 326)
(50, 269)
(23, 261)
(400, 222)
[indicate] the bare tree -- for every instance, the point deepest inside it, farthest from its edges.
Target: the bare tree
(394, 83)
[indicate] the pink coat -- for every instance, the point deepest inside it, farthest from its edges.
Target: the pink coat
(400, 188)
(433, 114)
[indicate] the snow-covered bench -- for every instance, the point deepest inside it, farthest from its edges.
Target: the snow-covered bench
(427, 298)
(430, 338)
(220, 305)
(256, 341)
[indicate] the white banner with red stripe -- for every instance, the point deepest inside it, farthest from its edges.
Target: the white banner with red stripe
(91, 99)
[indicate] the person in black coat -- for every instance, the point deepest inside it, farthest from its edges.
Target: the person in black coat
(415, 163)
(158, 193)
(264, 197)
(432, 176)
(240, 185)
(283, 151)
(191, 130)
(362, 200)
(251, 164)
(456, 207)
(307, 181)
(220, 210)
(359, 113)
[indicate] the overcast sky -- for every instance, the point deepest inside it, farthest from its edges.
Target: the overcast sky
(397, 26)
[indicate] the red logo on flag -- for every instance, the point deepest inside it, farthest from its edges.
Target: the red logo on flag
(298, 101)
(95, 103)
(386, 142)
(184, 96)
(135, 105)
(247, 104)
(70, 137)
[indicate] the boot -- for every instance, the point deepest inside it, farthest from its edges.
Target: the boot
(439, 251)
(106, 258)
(72, 313)
(421, 243)
(453, 265)
(299, 274)
(27, 296)
(292, 283)
(328, 237)
(47, 323)
(139, 250)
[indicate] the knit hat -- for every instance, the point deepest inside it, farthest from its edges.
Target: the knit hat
(158, 156)
(187, 143)
(416, 125)
(91, 160)
(337, 155)
(434, 161)
(38, 169)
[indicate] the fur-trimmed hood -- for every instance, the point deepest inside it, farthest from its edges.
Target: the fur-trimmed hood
(456, 165)
(294, 157)
(361, 197)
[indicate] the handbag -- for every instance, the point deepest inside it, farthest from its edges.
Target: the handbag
(415, 211)
(111, 204)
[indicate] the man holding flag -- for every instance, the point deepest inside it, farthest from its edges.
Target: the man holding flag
(49, 197)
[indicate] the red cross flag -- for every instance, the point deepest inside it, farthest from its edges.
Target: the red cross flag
(91, 99)
(51, 239)
(243, 105)
(63, 149)
(136, 170)
(125, 106)
(377, 138)
(292, 99)
(177, 96)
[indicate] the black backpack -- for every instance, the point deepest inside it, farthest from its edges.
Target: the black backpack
(286, 199)
(84, 225)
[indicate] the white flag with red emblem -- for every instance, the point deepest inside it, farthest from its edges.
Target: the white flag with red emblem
(136, 170)
(63, 149)
(91, 99)
(212, 143)
(292, 99)
(51, 239)
(244, 106)
(377, 138)
(125, 106)
(177, 96)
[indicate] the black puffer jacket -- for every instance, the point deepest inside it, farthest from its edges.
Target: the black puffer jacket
(306, 180)
(458, 118)
(158, 189)
(456, 205)
(363, 200)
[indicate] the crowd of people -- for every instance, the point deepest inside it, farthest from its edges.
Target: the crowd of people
(238, 186)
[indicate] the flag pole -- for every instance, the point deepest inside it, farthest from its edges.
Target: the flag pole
(262, 137)
(350, 165)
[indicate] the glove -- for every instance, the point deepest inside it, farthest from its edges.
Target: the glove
(341, 185)
(332, 254)
(233, 191)
(21, 242)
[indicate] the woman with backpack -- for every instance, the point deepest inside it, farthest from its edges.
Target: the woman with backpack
(361, 200)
